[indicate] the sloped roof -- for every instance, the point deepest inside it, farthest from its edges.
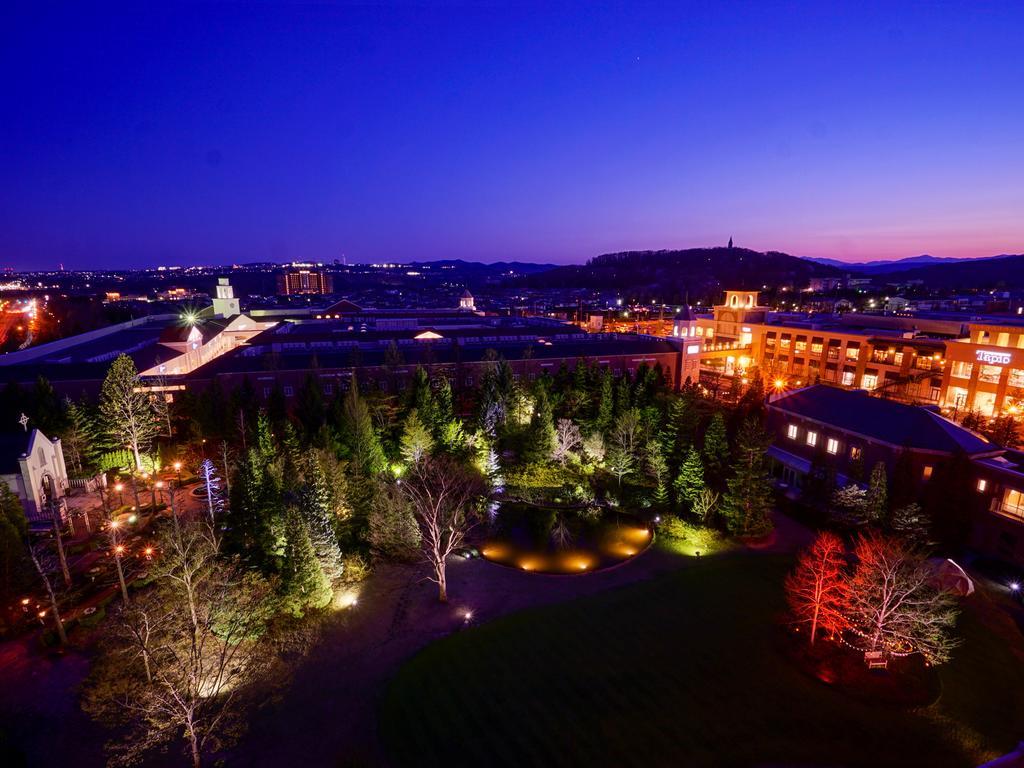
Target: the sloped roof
(466, 294)
(686, 314)
(882, 420)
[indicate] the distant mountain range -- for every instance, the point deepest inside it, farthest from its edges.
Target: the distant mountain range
(884, 266)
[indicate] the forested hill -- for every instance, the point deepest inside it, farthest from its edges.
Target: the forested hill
(672, 276)
(996, 272)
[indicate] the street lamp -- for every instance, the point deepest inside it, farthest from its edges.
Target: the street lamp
(120, 492)
(118, 551)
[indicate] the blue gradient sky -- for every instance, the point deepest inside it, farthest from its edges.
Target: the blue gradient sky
(219, 133)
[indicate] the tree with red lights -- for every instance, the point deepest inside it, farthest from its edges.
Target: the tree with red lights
(894, 603)
(816, 590)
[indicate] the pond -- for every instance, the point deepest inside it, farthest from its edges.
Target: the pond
(559, 540)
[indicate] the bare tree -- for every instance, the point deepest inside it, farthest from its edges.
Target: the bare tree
(705, 504)
(198, 638)
(894, 603)
(567, 440)
(45, 564)
(227, 462)
(127, 409)
(211, 483)
(816, 589)
(443, 494)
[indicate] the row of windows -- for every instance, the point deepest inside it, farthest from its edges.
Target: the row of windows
(811, 438)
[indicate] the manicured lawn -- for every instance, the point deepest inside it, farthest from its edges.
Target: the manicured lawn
(681, 670)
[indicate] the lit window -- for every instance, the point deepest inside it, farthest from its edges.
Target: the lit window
(289, 391)
(982, 484)
(832, 446)
(927, 471)
(812, 438)
(791, 431)
(855, 452)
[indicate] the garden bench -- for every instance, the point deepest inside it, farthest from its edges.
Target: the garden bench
(875, 660)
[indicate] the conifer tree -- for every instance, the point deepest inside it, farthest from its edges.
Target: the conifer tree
(393, 530)
(911, 525)
(416, 440)
(365, 449)
(748, 500)
(658, 469)
(542, 429)
(690, 481)
(309, 407)
(444, 410)
(605, 404)
(317, 509)
(80, 439)
(716, 449)
(304, 584)
(876, 502)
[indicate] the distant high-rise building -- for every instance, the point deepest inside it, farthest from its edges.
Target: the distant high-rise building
(295, 281)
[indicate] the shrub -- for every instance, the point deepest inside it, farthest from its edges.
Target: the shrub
(354, 568)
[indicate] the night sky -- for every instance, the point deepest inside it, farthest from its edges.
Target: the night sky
(228, 133)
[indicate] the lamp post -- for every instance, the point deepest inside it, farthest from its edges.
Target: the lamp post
(159, 486)
(118, 551)
(120, 492)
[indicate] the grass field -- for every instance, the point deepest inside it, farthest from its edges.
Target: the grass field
(683, 670)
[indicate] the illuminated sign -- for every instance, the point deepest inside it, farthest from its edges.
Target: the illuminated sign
(994, 358)
(693, 349)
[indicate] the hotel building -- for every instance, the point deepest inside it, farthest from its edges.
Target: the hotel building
(959, 362)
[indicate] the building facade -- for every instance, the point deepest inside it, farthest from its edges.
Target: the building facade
(304, 281)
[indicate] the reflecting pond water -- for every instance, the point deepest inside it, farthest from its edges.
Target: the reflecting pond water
(550, 540)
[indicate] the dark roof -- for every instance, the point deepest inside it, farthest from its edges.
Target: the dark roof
(582, 346)
(466, 294)
(13, 445)
(686, 314)
(883, 420)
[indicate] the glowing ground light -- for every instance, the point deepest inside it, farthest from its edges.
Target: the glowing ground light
(1014, 586)
(467, 615)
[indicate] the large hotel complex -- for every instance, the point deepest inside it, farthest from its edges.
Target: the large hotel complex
(948, 363)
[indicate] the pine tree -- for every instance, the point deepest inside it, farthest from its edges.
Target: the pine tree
(393, 530)
(606, 404)
(911, 525)
(254, 517)
(416, 440)
(876, 504)
(317, 509)
(690, 481)
(364, 445)
(716, 450)
(444, 411)
(541, 439)
(748, 500)
(46, 407)
(658, 469)
(309, 407)
(623, 394)
(80, 440)
(304, 584)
